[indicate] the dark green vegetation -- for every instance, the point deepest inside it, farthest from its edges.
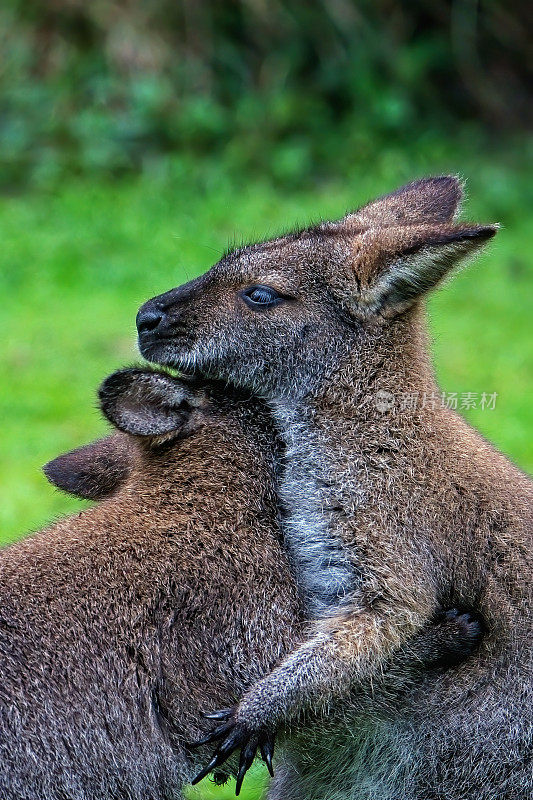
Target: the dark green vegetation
(283, 86)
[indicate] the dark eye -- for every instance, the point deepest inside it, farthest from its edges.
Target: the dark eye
(261, 297)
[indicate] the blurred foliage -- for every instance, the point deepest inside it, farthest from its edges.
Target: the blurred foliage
(78, 261)
(109, 85)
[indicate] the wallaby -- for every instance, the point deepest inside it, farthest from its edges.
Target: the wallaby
(120, 624)
(392, 510)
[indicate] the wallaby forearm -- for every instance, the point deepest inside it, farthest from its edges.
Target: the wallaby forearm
(344, 651)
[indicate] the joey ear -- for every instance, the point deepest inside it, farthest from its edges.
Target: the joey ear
(428, 200)
(149, 403)
(406, 263)
(93, 471)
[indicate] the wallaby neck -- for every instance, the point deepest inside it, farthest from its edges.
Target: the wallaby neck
(383, 389)
(336, 437)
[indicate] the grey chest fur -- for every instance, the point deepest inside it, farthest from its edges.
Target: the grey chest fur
(324, 572)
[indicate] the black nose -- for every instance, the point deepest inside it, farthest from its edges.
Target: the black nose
(149, 318)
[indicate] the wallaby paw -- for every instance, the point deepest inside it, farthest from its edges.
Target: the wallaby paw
(467, 625)
(232, 735)
(461, 634)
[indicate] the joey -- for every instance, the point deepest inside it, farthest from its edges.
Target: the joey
(114, 621)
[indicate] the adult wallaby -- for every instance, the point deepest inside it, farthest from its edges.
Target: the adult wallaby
(392, 509)
(118, 625)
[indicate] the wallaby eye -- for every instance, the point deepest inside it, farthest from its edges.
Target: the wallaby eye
(261, 297)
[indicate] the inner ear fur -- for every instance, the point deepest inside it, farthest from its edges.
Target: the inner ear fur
(396, 266)
(93, 471)
(149, 403)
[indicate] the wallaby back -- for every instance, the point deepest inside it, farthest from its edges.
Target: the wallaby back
(120, 624)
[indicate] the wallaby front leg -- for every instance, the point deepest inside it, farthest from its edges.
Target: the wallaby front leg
(343, 651)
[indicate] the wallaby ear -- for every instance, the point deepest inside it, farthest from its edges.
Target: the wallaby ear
(429, 200)
(402, 264)
(94, 471)
(149, 403)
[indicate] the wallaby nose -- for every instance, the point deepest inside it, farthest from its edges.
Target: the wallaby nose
(148, 319)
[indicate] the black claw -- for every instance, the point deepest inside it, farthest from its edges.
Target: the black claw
(217, 733)
(197, 778)
(230, 744)
(206, 770)
(267, 751)
(232, 736)
(246, 761)
(238, 784)
(225, 749)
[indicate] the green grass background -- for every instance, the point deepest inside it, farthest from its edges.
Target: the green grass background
(77, 262)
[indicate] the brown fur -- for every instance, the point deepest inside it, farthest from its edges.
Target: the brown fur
(119, 625)
(95, 470)
(390, 513)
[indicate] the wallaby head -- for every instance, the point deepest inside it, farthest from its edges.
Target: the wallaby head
(261, 315)
(148, 408)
